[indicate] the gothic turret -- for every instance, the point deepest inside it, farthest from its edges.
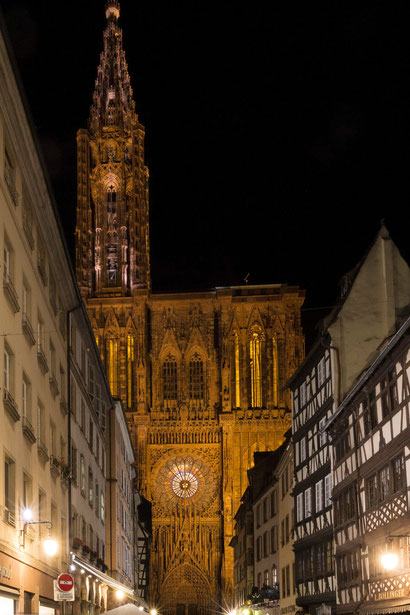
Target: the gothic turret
(112, 210)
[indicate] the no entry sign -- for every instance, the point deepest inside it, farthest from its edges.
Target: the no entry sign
(65, 582)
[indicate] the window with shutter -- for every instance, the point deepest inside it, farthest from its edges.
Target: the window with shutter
(308, 502)
(328, 490)
(299, 507)
(319, 496)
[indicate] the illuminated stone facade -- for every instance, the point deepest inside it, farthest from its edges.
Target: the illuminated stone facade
(200, 374)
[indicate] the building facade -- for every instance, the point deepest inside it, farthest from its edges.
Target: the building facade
(121, 534)
(265, 508)
(263, 541)
(34, 299)
(312, 391)
(243, 547)
(370, 435)
(89, 403)
(200, 374)
(55, 399)
(286, 575)
(373, 297)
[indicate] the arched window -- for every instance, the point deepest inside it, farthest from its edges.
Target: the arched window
(255, 356)
(130, 361)
(112, 364)
(196, 378)
(111, 200)
(275, 371)
(169, 378)
(236, 372)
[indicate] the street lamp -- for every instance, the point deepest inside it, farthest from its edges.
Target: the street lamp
(389, 561)
(119, 594)
(49, 545)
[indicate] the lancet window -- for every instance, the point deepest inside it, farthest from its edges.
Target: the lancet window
(255, 362)
(112, 364)
(235, 372)
(275, 375)
(170, 378)
(111, 200)
(196, 378)
(130, 361)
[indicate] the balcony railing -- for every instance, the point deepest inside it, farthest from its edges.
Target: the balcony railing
(9, 517)
(10, 292)
(28, 430)
(63, 405)
(28, 329)
(41, 266)
(55, 466)
(28, 232)
(9, 177)
(42, 359)
(42, 449)
(10, 405)
(54, 384)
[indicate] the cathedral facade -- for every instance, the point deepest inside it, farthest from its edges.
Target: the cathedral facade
(200, 375)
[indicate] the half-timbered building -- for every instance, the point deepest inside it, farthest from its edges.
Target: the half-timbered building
(373, 296)
(312, 394)
(370, 440)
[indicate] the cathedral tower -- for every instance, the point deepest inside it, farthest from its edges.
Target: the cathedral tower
(112, 207)
(201, 375)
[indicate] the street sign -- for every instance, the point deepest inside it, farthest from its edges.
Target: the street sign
(65, 582)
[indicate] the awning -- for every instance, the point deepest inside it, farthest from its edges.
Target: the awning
(114, 584)
(124, 609)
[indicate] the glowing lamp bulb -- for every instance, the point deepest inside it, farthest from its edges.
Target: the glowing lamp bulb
(140, 608)
(153, 611)
(246, 612)
(50, 546)
(27, 514)
(120, 594)
(389, 561)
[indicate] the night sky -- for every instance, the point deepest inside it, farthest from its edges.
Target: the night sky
(277, 135)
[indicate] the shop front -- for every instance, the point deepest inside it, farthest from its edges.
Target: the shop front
(24, 588)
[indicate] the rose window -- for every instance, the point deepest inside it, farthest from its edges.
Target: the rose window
(184, 480)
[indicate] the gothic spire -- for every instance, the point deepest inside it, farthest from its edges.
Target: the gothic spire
(113, 102)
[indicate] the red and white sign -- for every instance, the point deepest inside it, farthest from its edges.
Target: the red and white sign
(65, 582)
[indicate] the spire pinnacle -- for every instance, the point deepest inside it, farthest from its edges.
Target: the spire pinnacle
(112, 8)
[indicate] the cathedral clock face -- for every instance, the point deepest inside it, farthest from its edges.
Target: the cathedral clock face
(184, 480)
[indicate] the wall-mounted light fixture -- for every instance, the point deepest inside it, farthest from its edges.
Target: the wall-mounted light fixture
(49, 544)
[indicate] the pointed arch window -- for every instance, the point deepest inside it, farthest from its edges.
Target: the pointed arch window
(111, 200)
(112, 364)
(235, 372)
(130, 362)
(275, 374)
(255, 360)
(170, 378)
(196, 378)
